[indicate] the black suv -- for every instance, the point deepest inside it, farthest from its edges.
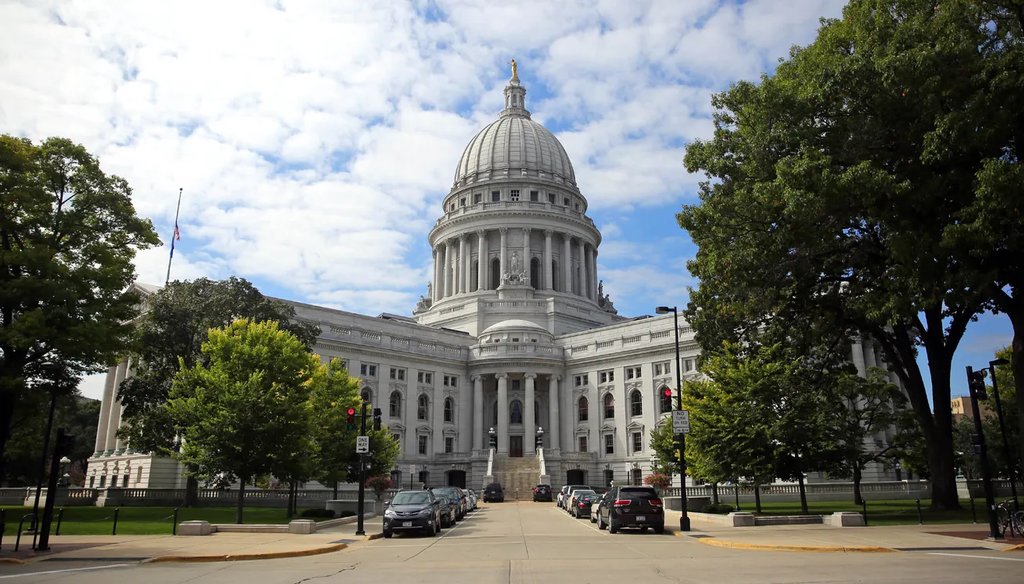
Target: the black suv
(631, 507)
(493, 492)
(542, 493)
(412, 510)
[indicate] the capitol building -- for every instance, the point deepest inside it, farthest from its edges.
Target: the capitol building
(514, 339)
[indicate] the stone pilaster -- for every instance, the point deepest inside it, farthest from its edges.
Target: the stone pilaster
(530, 417)
(545, 276)
(503, 265)
(502, 413)
(481, 260)
(567, 263)
(478, 412)
(553, 411)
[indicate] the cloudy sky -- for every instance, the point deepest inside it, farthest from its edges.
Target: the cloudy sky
(314, 140)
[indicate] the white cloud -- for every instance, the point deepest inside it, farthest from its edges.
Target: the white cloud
(314, 140)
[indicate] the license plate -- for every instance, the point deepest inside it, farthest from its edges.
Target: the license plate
(641, 518)
(407, 524)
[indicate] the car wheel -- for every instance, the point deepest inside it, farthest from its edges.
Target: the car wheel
(592, 518)
(388, 534)
(643, 530)
(600, 522)
(612, 528)
(659, 529)
(431, 529)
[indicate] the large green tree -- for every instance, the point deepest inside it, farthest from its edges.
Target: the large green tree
(832, 187)
(68, 235)
(244, 411)
(170, 334)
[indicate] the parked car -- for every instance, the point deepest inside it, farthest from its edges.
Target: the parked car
(412, 510)
(471, 499)
(594, 506)
(457, 497)
(542, 493)
(493, 493)
(448, 510)
(579, 498)
(561, 495)
(568, 495)
(565, 492)
(631, 507)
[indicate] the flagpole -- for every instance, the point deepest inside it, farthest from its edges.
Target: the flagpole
(173, 237)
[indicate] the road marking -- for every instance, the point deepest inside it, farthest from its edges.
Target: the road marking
(65, 571)
(977, 557)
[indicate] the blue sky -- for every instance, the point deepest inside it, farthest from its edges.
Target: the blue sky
(314, 141)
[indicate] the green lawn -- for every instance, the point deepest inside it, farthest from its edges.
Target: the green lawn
(139, 520)
(881, 512)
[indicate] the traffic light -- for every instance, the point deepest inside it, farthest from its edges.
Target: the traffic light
(976, 381)
(376, 418)
(350, 424)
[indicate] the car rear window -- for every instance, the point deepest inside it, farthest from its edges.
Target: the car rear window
(638, 493)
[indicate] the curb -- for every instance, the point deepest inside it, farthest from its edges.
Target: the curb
(1017, 548)
(12, 561)
(243, 557)
(374, 536)
(793, 548)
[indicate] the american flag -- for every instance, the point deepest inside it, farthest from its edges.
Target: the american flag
(177, 234)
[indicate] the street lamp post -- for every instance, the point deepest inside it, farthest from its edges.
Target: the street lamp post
(540, 437)
(976, 386)
(899, 471)
(1011, 460)
(684, 519)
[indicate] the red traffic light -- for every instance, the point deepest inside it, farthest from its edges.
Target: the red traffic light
(351, 411)
(667, 392)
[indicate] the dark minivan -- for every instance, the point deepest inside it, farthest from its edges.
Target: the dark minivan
(631, 507)
(493, 492)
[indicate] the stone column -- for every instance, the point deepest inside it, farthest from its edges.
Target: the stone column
(594, 437)
(478, 412)
(545, 276)
(530, 415)
(114, 420)
(108, 400)
(581, 253)
(503, 265)
(464, 417)
(467, 266)
(409, 418)
(870, 358)
(589, 282)
(436, 288)
(446, 288)
(553, 412)
(567, 263)
(481, 260)
(436, 416)
(857, 352)
(593, 273)
(122, 446)
(527, 259)
(463, 277)
(502, 428)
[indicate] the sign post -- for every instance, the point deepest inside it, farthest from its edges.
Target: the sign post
(680, 422)
(362, 470)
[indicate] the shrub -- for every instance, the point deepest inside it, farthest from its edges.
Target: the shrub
(379, 484)
(658, 481)
(347, 513)
(721, 508)
(318, 514)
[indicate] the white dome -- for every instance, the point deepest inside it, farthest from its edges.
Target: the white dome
(515, 143)
(514, 325)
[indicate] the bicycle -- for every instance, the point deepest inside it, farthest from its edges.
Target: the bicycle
(1008, 519)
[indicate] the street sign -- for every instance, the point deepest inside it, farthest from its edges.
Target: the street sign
(362, 444)
(681, 422)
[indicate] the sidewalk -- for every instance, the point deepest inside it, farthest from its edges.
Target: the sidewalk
(207, 548)
(820, 538)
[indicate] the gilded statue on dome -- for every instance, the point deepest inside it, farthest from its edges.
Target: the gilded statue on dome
(515, 70)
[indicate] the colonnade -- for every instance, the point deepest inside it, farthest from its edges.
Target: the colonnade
(107, 441)
(454, 259)
(529, 426)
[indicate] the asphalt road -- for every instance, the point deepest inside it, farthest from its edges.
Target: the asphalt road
(536, 542)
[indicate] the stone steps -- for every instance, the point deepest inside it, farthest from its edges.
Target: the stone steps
(517, 475)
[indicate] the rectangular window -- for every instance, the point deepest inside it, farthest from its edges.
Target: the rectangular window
(451, 381)
(581, 380)
(367, 370)
(633, 372)
(92, 481)
(422, 446)
(398, 438)
(449, 444)
(607, 376)
(577, 206)
(664, 368)
(462, 202)
(582, 444)
(534, 196)
(495, 196)
(477, 197)
(687, 365)
(397, 374)
(113, 481)
(344, 364)
(513, 194)
(515, 384)
(551, 198)
(103, 481)
(638, 442)
(565, 201)
(425, 377)
(609, 444)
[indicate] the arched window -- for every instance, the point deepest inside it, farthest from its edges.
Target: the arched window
(665, 399)
(495, 273)
(535, 273)
(583, 409)
(422, 407)
(636, 403)
(449, 410)
(395, 405)
(609, 406)
(515, 412)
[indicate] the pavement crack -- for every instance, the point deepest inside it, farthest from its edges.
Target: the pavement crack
(330, 575)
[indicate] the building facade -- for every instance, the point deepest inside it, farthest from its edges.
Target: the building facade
(515, 337)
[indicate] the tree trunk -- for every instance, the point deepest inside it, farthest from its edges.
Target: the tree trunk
(714, 493)
(335, 490)
(757, 498)
(191, 491)
(7, 401)
(803, 494)
(858, 499)
(241, 499)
